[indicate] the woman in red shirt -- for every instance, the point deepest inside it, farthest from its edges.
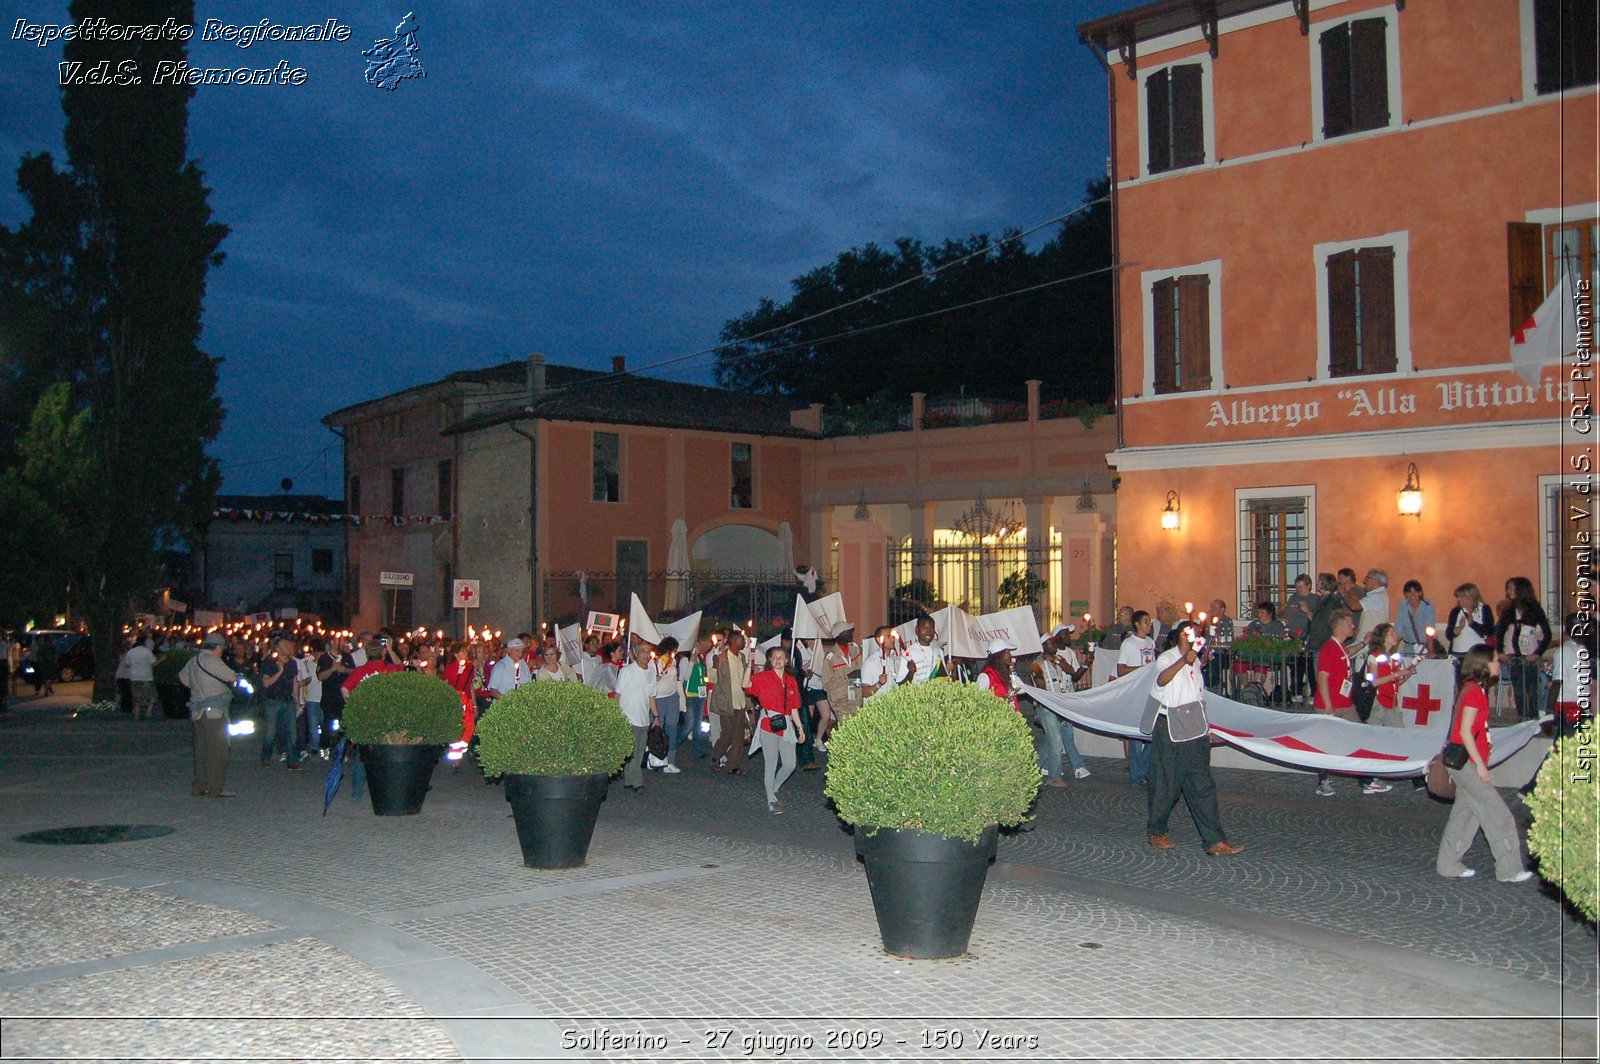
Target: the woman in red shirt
(778, 695)
(1478, 805)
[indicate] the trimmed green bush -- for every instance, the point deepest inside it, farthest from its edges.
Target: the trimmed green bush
(403, 709)
(171, 664)
(943, 757)
(553, 728)
(1564, 835)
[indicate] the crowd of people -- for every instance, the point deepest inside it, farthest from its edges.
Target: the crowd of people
(723, 699)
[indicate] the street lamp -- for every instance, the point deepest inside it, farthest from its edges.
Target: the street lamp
(1410, 496)
(1170, 516)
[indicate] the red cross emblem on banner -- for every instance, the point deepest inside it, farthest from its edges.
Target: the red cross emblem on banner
(466, 594)
(1423, 703)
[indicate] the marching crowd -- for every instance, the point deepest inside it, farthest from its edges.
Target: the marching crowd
(724, 699)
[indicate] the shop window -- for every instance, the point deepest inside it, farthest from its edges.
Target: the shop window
(607, 467)
(1361, 312)
(1175, 119)
(1354, 77)
(1181, 316)
(1564, 45)
(742, 473)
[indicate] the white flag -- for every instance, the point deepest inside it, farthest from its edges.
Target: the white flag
(639, 622)
(1548, 336)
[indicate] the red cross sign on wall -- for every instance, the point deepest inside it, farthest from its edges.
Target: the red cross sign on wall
(1423, 703)
(466, 594)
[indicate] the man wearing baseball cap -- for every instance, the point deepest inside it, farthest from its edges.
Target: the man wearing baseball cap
(511, 671)
(996, 674)
(210, 683)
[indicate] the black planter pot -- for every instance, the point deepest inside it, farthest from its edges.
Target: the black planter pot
(398, 776)
(925, 888)
(174, 698)
(555, 816)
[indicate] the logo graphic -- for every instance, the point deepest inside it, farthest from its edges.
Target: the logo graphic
(389, 62)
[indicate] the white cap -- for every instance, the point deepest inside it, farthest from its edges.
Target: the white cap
(996, 645)
(1061, 628)
(515, 644)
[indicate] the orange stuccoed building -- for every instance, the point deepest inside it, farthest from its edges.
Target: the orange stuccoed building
(1330, 220)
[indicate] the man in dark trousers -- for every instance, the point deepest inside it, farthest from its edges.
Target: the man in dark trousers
(1180, 747)
(278, 674)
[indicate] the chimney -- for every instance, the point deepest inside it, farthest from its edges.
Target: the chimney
(619, 364)
(535, 376)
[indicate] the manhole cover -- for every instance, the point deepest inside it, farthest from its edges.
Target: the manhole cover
(95, 834)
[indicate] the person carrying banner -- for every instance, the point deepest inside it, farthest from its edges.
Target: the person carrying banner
(995, 677)
(1180, 747)
(635, 695)
(1478, 806)
(925, 659)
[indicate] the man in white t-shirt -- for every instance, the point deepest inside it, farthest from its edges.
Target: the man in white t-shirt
(141, 659)
(924, 658)
(511, 671)
(310, 682)
(1180, 743)
(1374, 604)
(1138, 650)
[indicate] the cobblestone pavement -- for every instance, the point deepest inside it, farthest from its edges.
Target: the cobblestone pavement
(704, 927)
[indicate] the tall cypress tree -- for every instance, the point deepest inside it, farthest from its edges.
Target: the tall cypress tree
(101, 292)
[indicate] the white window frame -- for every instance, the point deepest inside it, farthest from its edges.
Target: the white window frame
(1207, 114)
(1308, 492)
(1551, 543)
(1391, 48)
(1212, 269)
(1400, 242)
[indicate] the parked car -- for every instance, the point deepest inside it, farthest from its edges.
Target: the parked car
(74, 655)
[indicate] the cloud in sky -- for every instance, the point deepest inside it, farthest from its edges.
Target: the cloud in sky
(585, 180)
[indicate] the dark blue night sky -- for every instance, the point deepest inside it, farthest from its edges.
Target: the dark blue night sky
(581, 179)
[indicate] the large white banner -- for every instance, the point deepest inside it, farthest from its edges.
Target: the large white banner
(685, 630)
(1302, 740)
(815, 620)
(965, 636)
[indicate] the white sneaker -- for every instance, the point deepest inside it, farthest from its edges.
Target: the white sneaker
(670, 769)
(1521, 877)
(1466, 873)
(654, 762)
(1325, 789)
(1080, 773)
(1377, 787)
(822, 747)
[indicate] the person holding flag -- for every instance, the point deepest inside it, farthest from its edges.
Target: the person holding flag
(924, 659)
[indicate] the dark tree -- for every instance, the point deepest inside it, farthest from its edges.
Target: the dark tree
(1060, 333)
(106, 400)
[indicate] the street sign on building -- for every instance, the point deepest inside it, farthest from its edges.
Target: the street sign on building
(388, 579)
(466, 594)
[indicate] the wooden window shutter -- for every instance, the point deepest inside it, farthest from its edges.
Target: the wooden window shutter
(1194, 332)
(1188, 116)
(1525, 264)
(1375, 279)
(1369, 74)
(1158, 115)
(1335, 44)
(1342, 314)
(1163, 295)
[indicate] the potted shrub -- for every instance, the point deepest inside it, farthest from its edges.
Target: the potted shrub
(1563, 834)
(557, 743)
(402, 722)
(173, 695)
(927, 774)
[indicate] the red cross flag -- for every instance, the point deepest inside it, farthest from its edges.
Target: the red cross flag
(466, 594)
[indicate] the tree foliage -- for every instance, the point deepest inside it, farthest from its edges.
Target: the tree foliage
(106, 400)
(1061, 334)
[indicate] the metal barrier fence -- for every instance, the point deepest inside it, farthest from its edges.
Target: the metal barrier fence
(1275, 681)
(731, 597)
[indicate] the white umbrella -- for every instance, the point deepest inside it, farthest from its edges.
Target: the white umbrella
(678, 566)
(785, 549)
